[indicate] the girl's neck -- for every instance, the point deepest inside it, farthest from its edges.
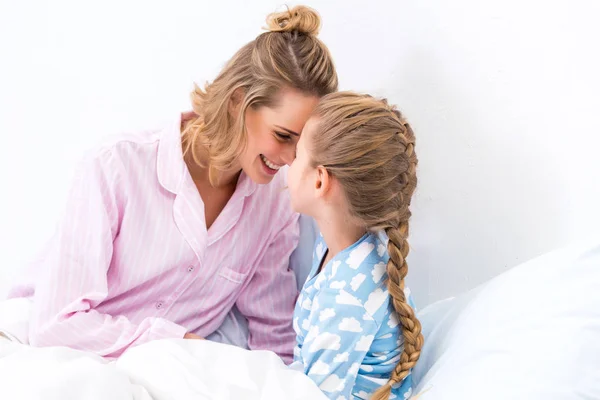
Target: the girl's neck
(338, 232)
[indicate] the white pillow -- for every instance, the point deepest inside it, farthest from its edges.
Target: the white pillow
(531, 333)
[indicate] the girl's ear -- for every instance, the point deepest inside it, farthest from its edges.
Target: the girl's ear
(323, 182)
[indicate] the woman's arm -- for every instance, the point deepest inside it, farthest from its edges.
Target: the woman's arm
(268, 300)
(75, 271)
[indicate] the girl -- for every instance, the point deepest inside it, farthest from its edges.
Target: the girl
(354, 173)
(167, 230)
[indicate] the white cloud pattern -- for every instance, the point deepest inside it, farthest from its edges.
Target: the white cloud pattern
(378, 271)
(350, 325)
(346, 298)
(315, 305)
(307, 304)
(313, 332)
(325, 314)
(332, 383)
(334, 267)
(319, 280)
(364, 343)
(376, 299)
(337, 284)
(362, 395)
(357, 281)
(358, 255)
(342, 357)
(319, 368)
(381, 249)
(393, 321)
(320, 250)
(305, 324)
(326, 341)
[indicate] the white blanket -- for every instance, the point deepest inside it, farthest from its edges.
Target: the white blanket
(160, 370)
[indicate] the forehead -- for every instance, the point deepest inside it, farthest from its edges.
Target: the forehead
(292, 109)
(310, 128)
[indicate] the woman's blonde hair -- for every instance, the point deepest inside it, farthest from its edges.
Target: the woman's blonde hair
(369, 148)
(289, 55)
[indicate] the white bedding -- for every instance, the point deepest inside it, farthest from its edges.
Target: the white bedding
(160, 370)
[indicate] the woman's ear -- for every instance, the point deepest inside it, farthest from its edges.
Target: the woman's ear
(235, 102)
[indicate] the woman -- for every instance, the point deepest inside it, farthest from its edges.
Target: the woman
(167, 230)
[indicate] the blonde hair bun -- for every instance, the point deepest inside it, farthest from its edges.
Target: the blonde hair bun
(300, 18)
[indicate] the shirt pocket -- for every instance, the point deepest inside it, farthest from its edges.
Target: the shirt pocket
(233, 276)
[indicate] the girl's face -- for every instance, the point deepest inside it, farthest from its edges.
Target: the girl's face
(273, 134)
(302, 176)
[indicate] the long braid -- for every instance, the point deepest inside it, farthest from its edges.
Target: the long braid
(397, 269)
(365, 144)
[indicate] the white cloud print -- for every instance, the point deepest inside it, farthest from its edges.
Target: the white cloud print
(306, 324)
(381, 250)
(332, 383)
(364, 343)
(337, 284)
(334, 268)
(346, 298)
(353, 370)
(378, 271)
(313, 332)
(327, 313)
(307, 304)
(342, 357)
(320, 250)
(358, 255)
(357, 281)
(326, 341)
(376, 300)
(350, 325)
(319, 368)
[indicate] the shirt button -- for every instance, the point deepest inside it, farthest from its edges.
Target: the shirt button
(191, 268)
(159, 305)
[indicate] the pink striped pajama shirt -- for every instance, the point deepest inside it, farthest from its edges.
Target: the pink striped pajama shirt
(132, 260)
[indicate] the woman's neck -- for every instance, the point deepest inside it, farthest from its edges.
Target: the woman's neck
(200, 174)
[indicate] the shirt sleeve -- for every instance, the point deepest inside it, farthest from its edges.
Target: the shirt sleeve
(268, 300)
(75, 281)
(339, 336)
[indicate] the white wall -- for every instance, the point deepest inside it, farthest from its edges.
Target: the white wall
(502, 96)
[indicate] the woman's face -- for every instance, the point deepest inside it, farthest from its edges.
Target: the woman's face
(273, 134)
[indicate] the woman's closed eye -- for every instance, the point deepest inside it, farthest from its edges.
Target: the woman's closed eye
(283, 136)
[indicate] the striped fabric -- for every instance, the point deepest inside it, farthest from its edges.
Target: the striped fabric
(132, 260)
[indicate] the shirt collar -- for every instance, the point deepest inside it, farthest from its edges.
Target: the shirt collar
(171, 167)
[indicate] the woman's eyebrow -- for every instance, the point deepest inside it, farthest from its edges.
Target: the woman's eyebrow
(291, 132)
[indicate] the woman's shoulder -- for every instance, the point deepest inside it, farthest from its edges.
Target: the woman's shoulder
(127, 152)
(128, 144)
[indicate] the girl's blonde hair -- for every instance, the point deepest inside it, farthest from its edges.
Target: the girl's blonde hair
(289, 55)
(369, 148)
